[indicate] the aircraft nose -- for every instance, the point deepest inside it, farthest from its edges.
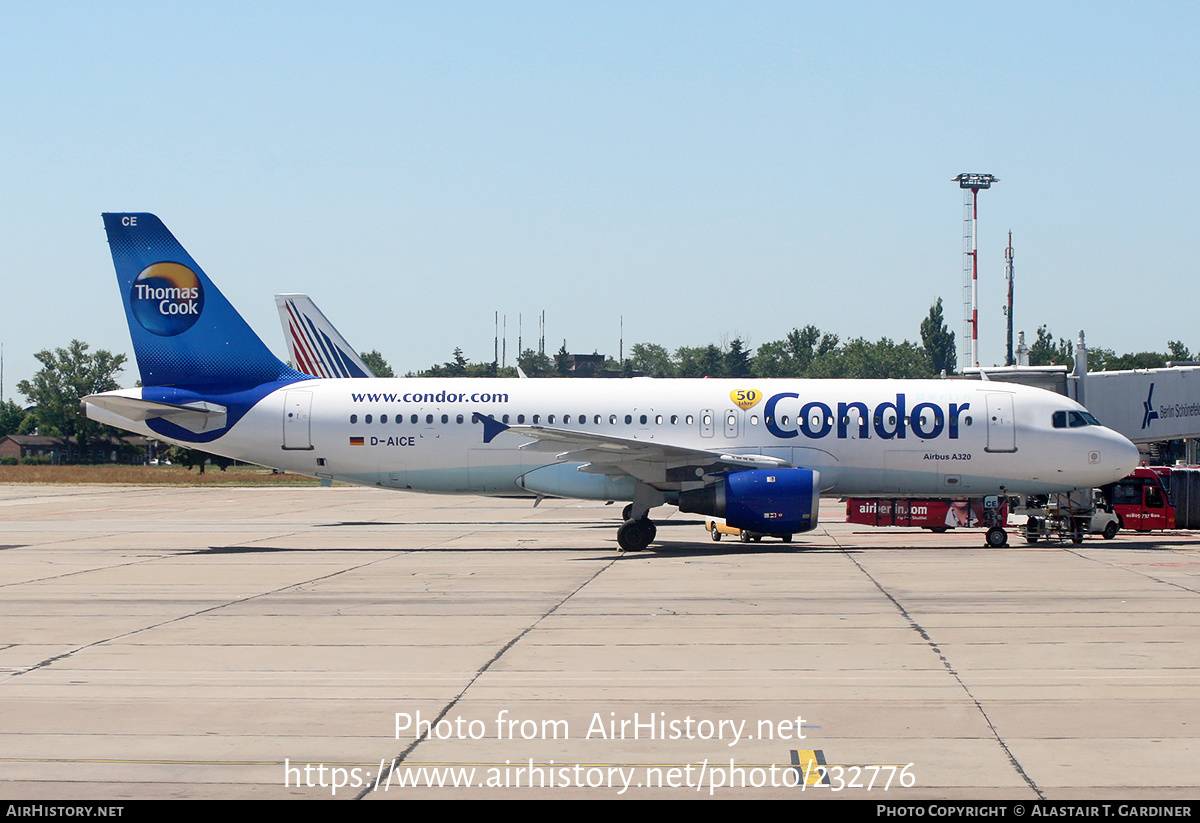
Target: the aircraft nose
(1115, 456)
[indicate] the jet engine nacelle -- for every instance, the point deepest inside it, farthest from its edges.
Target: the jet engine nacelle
(768, 501)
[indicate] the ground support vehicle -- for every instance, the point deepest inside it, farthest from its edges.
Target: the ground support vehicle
(718, 528)
(936, 515)
(1067, 517)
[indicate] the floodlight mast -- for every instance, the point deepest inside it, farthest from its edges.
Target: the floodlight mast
(973, 183)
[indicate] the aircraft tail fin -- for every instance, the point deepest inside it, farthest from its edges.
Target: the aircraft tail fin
(316, 347)
(185, 333)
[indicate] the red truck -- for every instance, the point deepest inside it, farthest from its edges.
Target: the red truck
(1157, 497)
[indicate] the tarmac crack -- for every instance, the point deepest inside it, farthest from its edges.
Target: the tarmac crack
(49, 661)
(382, 779)
(920, 630)
(1126, 568)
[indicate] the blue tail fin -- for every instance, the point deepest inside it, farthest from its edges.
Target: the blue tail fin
(185, 333)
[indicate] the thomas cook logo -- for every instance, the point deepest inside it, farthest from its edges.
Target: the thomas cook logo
(167, 299)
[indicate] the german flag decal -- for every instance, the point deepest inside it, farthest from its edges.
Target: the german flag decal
(356, 441)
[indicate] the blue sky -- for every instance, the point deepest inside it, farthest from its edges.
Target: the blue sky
(705, 170)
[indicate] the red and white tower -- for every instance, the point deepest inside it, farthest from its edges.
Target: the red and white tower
(971, 184)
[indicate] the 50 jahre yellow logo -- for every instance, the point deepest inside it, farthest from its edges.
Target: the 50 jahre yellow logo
(745, 398)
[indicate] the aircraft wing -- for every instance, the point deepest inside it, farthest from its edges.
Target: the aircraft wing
(195, 417)
(651, 462)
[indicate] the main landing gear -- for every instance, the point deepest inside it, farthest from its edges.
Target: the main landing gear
(638, 530)
(635, 535)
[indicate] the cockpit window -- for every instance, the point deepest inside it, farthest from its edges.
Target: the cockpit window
(1074, 419)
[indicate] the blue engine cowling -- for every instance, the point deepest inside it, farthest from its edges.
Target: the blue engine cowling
(767, 501)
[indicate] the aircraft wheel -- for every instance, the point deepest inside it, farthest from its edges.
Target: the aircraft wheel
(627, 512)
(997, 537)
(787, 538)
(1031, 530)
(635, 535)
(1110, 531)
(716, 534)
(939, 529)
(744, 537)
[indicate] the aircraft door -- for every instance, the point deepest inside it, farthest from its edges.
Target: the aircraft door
(297, 411)
(733, 423)
(1001, 433)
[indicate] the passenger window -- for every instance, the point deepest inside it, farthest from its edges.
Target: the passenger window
(413, 419)
(658, 419)
(643, 419)
(674, 419)
(550, 419)
(628, 419)
(354, 418)
(536, 417)
(458, 419)
(429, 419)
(504, 419)
(383, 418)
(445, 418)
(520, 419)
(612, 420)
(367, 419)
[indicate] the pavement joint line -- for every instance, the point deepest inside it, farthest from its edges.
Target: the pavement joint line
(400, 758)
(1012, 759)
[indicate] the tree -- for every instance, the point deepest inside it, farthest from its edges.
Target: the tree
(938, 340)
(738, 361)
(11, 417)
(535, 364)
(793, 356)
(66, 376)
(652, 360)
(1045, 352)
(376, 363)
(863, 359)
(1177, 351)
(188, 458)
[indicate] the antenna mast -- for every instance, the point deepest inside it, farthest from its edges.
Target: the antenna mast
(971, 184)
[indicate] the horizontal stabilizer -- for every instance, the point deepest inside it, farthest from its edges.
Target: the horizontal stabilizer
(196, 417)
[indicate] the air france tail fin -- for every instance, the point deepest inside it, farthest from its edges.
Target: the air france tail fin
(185, 333)
(315, 346)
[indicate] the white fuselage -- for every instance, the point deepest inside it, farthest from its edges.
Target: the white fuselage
(866, 437)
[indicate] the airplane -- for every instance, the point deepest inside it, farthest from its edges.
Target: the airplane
(315, 346)
(758, 453)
